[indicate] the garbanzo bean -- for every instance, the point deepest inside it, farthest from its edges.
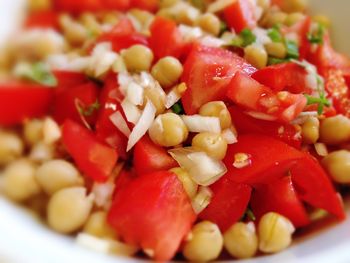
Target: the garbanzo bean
(256, 55)
(39, 5)
(138, 58)
(213, 144)
(157, 96)
(19, 182)
(275, 232)
(51, 131)
(241, 241)
(68, 209)
(91, 24)
(187, 14)
(323, 20)
(167, 71)
(335, 130)
(338, 166)
(291, 6)
(275, 49)
(75, 33)
(264, 4)
(189, 185)
(41, 152)
(168, 3)
(294, 18)
(55, 175)
(168, 129)
(33, 131)
(11, 147)
(273, 18)
(209, 23)
(205, 242)
(310, 130)
(97, 226)
(217, 109)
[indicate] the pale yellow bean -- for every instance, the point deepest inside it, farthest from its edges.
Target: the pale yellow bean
(338, 166)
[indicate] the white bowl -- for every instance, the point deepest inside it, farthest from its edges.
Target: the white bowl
(25, 240)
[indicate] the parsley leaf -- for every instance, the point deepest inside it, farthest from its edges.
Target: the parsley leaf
(223, 27)
(292, 49)
(37, 72)
(177, 108)
(317, 37)
(275, 34)
(90, 109)
(274, 61)
(322, 101)
(245, 38)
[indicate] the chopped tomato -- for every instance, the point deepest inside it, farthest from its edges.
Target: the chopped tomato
(153, 211)
(149, 157)
(229, 202)
(166, 39)
(95, 159)
(123, 35)
(150, 5)
(69, 78)
(69, 100)
(207, 73)
(240, 15)
(287, 76)
(244, 124)
(42, 19)
(315, 187)
(280, 197)
(78, 6)
(250, 94)
(19, 101)
(106, 131)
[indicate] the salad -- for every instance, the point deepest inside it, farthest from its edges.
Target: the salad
(175, 129)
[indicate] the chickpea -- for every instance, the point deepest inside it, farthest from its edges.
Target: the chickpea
(75, 33)
(205, 242)
(19, 182)
(323, 20)
(168, 3)
(291, 6)
(157, 96)
(168, 129)
(189, 185)
(338, 166)
(167, 71)
(209, 23)
(39, 5)
(256, 55)
(275, 232)
(51, 131)
(241, 241)
(142, 16)
(335, 130)
(97, 226)
(33, 131)
(273, 18)
(213, 144)
(264, 4)
(91, 23)
(294, 18)
(41, 152)
(217, 109)
(275, 49)
(55, 175)
(11, 147)
(68, 209)
(138, 58)
(187, 14)
(310, 130)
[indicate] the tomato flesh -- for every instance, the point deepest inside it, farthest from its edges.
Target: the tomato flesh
(240, 15)
(154, 212)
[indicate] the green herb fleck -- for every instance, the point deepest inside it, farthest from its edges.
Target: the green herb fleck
(37, 72)
(177, 108)
(317, 37)
(322, 101)
(274, 61)
(223, 27)
(275, 34)
(292, 49)
(90, 109)
(245, 38)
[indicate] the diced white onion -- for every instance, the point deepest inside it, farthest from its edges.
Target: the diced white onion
(103, 193)
(211, 41)
(261, 36)
(202, 199)
(198, 123)
(219, 5)
(124, 79)
(41, 152)
(118, 120)
(63, 62)
(304, 116)
(106, 246)
(142, 126)
(321, 149)
(230, 135)
(51, 131)
(131, 111)
(190, 33)
(261, 116)
(101, 48)
(134, 93)
(203, 169)
(172, 97)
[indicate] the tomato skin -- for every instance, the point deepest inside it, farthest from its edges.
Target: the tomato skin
(42, 19)
(315, 187)
(240, 15)
(95, 159)
(19, 101)
(246, 124)
(123, 35)
(69, 78)
(149, 157)
(166, 39)
(286, 76)
(280, 197)
(207, 72)
(106, 131)
(66, 97)
(251, 95)
(154, 212)
(229, 202)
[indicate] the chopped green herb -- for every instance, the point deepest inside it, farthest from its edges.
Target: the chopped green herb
(90, 109)
(177, 108)
(292, 49)
(275, 34)
(274, 61)
(37, 72)
(245, 38)
(223, 27)
(316, 37)
(321, 101)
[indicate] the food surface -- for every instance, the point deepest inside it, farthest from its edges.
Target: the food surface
(169, 129)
